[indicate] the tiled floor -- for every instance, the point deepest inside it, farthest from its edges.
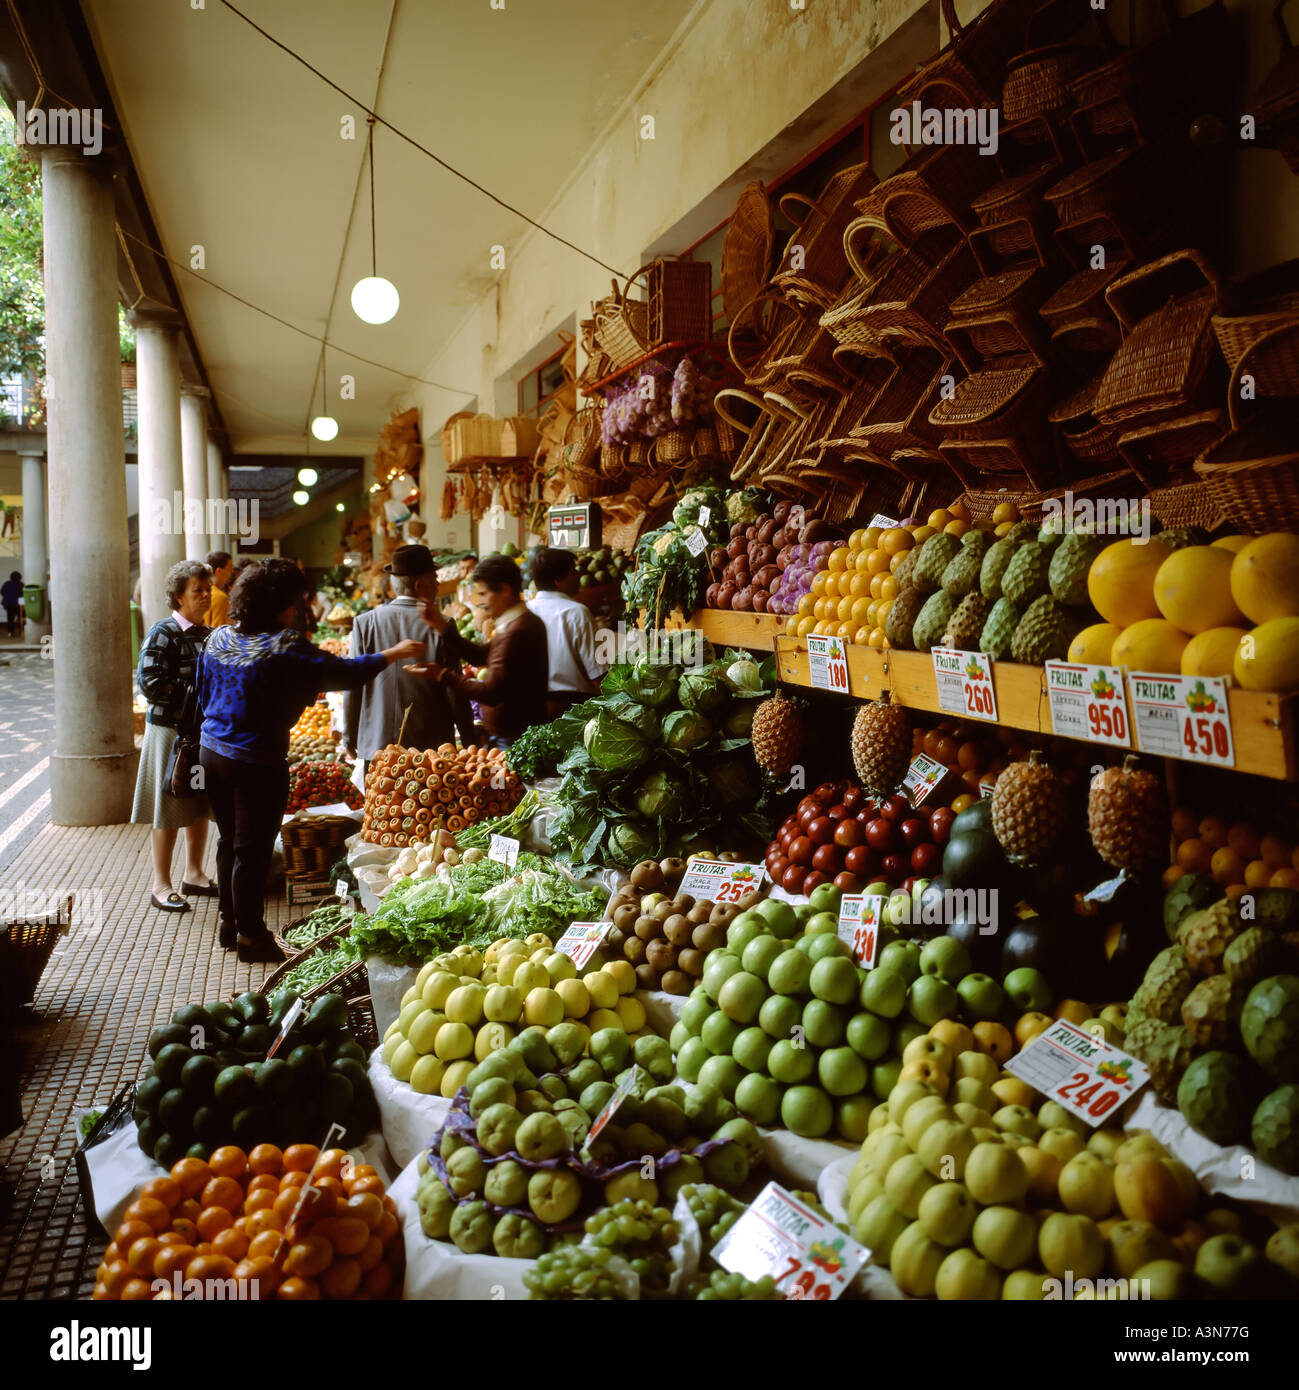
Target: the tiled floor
(121, 969)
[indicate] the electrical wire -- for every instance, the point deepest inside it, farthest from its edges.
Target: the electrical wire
(415, 144)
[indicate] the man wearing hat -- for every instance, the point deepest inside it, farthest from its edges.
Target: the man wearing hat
(375, 712)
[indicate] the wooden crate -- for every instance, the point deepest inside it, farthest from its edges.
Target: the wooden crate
(724, 628)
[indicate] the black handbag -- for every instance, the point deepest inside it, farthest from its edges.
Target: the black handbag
(183, 777)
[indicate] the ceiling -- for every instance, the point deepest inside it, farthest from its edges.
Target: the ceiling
(238, 149)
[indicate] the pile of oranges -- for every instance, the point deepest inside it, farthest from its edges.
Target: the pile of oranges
(1235, 855)
(232, 1217)
(852, 596)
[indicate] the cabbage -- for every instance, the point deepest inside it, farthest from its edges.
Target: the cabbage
(739, 723)
(701, 691)
(734, 781)
(650, 684)
(686, 729)
(613, 743)
(660, 797)
(640, 717)
(745, 676)
(630, 842)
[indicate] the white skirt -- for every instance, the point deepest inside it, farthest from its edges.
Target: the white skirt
(153, 805)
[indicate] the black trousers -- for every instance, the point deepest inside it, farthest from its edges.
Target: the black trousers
(247, 801)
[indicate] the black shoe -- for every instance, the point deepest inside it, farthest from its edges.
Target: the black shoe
(194, 891)
(173, 903)
(262, 950)
(227, 936)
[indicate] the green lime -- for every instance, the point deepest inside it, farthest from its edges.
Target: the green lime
(169, 1033)
(308, 1062)
(198, 1076)
(149, 1092)
(147, 1135)
(176, 1111)
(274, 1079)
(349, 1047)
(234, 1088)
(354, 1072)
(167, 1149)
(252, 1125)
(191, 1016)
(198, 1149)
(170, 1062)
(212, 1124)
(337, 1096)
(257, 1037)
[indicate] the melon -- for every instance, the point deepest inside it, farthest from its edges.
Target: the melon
(1265, 578)
(1212, 653)
(1268, 657)
(1094, 644)
(1121, 581)
(1193, 589)
(1232, 543)
(1153, 644)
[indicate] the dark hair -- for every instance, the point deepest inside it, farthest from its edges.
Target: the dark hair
(497, 572)
(178, 577)
(217, 558)
(262, 592)
(241, 564)
(550, 567)
(15, 575)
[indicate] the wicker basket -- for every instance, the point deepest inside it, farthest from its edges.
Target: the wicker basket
(1253, 476)
(362, 1023)
(314, 844)
(1129, 186)
(614, 459)
(1256, 306)
(1186, 501)
(321, 943)
(622, 325)
(1160, 451)
(1079, 316)
(25, 949)
(673, 446)
(814, 266)
(680, 302)
(746, 249)
(1078, 430)
(447, 445)
(971, 70)
(911, 298)
(582, 445)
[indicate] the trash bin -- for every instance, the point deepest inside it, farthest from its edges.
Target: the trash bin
(137, 633)
(34, 602)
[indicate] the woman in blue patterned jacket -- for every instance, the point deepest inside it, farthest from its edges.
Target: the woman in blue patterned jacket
(256, 677)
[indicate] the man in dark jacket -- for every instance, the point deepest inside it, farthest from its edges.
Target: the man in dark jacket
(512, 690)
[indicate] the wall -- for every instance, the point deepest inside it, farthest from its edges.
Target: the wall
(316, 543)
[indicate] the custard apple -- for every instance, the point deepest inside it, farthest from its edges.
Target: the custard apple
(1205, 935)
(1022, 531)
(1190, 893)
(1254, 954)
(999, 629)
(1043, 633)
(962, 572)
(935, 555)
(1026, 576)
(1169, 1054)
(1274, 908)
(995, 559)
(1274, 1131)
(1070, 561)
(966, 623)
(1217, 1095)
(1211, 1010)
(977, 541)
(931, 621)
(902, 616)
(1169, 979)
(1269, 1026)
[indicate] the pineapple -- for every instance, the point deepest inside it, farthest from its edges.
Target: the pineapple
(881, 745)
(1125, 816)
(777, 735)
(1029, 810)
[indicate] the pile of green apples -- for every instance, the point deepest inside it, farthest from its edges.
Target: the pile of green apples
(512, 1167)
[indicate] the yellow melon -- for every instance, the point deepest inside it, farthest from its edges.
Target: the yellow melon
(1121, 581)
(1153, 644)
(1265, 577)
(1268, 657)
(1193, 589)
(1232, 543)
(1212, 652)
(1094, 644)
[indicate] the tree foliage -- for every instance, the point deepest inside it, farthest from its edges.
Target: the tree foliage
(22, 287)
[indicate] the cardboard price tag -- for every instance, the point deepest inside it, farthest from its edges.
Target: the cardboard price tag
(290, 1018)
(885, 523)
(705, 515)
(806, 1254)
(720, 881)
(1083, 1073)
(1087, 702)
(923, 778)
(964, 681)
(859, 926)
(696, 542)
(504, 850)
(827, 663)
(582, 940)
(624, 1088)
(1182, 717)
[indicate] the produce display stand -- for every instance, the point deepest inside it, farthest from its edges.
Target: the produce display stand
(724, 627)
(1262, 724)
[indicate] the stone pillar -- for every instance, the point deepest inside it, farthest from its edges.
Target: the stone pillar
(219, 536)
(35, 551)
(193, 454)
(92, 768)
(162, 494)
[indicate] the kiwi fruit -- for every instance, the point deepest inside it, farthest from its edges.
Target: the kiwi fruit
(691, 960)
(708, 936)
(646, 876)
(625, 915)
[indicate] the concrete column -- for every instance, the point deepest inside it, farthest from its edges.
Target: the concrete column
(162, 494)
(193, 454)
(92, 768)
(35, 553)
(218, 539)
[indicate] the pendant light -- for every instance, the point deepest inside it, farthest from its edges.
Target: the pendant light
(308, 477)
(301, 498)
(324, 426)
(374, 299)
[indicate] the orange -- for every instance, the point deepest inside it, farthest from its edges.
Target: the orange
(261, 1221)
(838, 559)
(896, 560)
(116, 1277)
(228, 1162)
(969, 756)
(863, 562)
(293, 1179)
(378, 1281)
(1213, 831)
(259, 1275)
(210, 1267)
(938, 518)
(1284, 878)
(165, 1190)
(1194, 856)
(298, 1158)
(959, 510)
(1170, 876)
(174, 1238)
(1257, 872)
(1243, 838)
(1226, 865)
(188, 1210)
(286, 1202)
(265, 1159)
(261, 1200)
(956, 527)
(818, 582)
(1234, 890)
(232, 1243)
(151, 1212)
(172, 1259)
(298, 1290)
(844, 609)
(341, 1279)
(137, 1291)
(366, 1206)
(213, 1220)
(888, 587)
(878, 562)
(876, 584)
(1184, 823)
(897, 540)
(963, 802)
(265, 1244)
(368, 1184)
(862, 637)
(349, 1235)
(111, 1255)
(372, 1254)
(310, 1256)
(185, 1228)
(223, 1192)
(922, 533)
(141, 1255)
(129, 1232)
(1275, 851)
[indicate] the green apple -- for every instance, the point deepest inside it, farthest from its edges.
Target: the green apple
(758, 1098)
(901, 956)
(931, 998)
(1024, 1286)
(973, 1092)
(806, 1110)
(905, 1032)
(1052, 1115)
(583, 1073)
(996, 1175)
(976, 1064)
(507, 1183)
(1071, 1242)
(880, 888)
(727, 1166)
(741, 996)
(691, 1058)
(821, 922)
(914, 1262)
(897, 911)
(1136, 1243)
(719, 1033)
(631, 1185)
(466, 1172)
(823, 944)
(803, 913)
(1169, 1281)
(834, 979)
(540, 1136)
(745, 1133)
(718, 967)
(906, 1183)
(687, 1169)
(1028, 990)
(963, 1276)
(751, 1049)
(697, 1008)
(1005, 1237)
(1061, 1143)
(743, 929)
(946, 958)
(868, 1035)
(679, 1035)
(1086, 1185)
(823, 1024)
(471, 1227)
(779, 916)
(852, 1117)
(825, 897)
(946, 1213)
(884, 1076)
(789, 1063)
(878, 1227)
(905, 1094)
(722, 1074)
(945, 1146)
(596, 1096)
(759, 954)
(883, 991)
(497, 1127)
(1019, 1119)
(841, 1071)
(780, 1014)
(1231, 1266)
(789, 972)
(981, 997)
(919, 1116)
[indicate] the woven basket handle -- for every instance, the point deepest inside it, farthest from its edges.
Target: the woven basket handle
(1243, 367)
(952, 20)
(747, 396)
(1131, 311)
(793, 199)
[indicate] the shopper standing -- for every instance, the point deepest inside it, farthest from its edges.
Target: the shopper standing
(167, 678)
(223, 568)
(256, 677)
(11, 596)
(575, 670)
(512, 689)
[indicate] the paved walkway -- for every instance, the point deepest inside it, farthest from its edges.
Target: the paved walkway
(123, 968)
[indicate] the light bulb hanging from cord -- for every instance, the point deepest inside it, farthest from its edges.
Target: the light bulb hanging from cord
(301, 498)
(374, 299)
(308, 477)
(324, 426)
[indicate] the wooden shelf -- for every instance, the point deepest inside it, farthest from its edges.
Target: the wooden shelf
(1262, 725)
(724, 628)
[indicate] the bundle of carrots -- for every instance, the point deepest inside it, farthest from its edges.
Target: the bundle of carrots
(410, 795)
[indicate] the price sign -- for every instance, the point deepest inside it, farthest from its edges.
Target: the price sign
(804, 1252)
(290, 1018)
(720, 881)
(1083, 1072)
(986, 790)
(1182, 717)
(964, 681)
(923, 778)
(624, 1088)
(859, 926)
(885, 523)
(827, 661)
(582, 940)
(504, 850)
(696, 542)
(1087, 702)
(340, 888)
(705, 516)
